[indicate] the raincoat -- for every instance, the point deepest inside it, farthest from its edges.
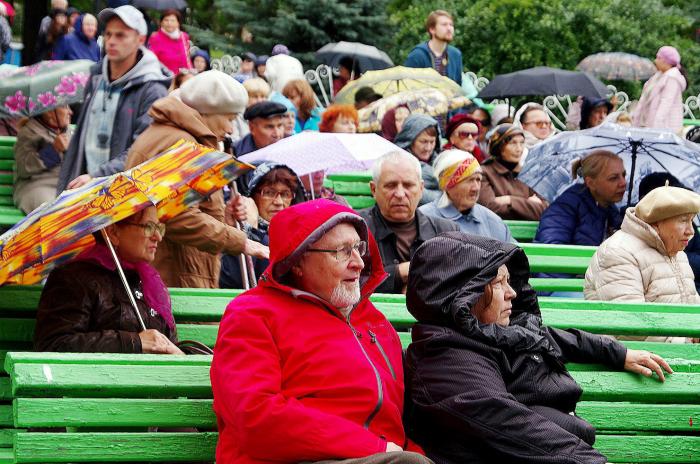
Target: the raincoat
(482, 393)
(294, 380)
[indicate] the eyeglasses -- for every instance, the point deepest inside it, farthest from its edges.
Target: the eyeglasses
(344, 254)
(271, 194)
(464, 134)
(540, 124)
(149, 228)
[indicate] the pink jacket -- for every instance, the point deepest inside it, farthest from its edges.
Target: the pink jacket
(173, 53)
(661, 103)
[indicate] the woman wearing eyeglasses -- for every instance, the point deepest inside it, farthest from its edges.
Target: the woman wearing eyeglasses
(273, 187)
(463, 134)
(501, 191)
(84, 306)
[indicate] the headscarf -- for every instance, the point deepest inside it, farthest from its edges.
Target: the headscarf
(389, 123)
(154, 290)
(453, 166)
(501, 135)
(669, 55)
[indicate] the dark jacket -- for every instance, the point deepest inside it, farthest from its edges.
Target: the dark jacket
(428, 227)
(482, 393)
(76, 46)
(85, 308)
(422, 57)
(131, 118)
(575, 218)
(499, 181)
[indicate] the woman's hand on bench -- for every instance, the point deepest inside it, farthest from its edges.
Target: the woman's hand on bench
(154, 342)
(645, 363)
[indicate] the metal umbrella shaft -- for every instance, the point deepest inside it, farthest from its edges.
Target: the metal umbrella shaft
(635, 146)
(120, 271)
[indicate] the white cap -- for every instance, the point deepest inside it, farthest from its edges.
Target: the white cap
(281, 69)
(214, 92)
(128, 14)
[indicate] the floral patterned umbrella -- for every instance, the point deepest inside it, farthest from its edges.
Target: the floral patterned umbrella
(618, 65)
(59, 230)
(425, 101)
(32, 90)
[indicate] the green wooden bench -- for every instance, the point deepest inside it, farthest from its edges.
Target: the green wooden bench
(9, 215)
(108, 401)
(354, 187)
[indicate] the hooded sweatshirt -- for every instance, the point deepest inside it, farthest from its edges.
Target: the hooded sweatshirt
(295, 380)
(483, 393)
(112, 116)
(412, 127)
(76, 46)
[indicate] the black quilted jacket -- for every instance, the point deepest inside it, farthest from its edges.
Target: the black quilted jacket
(483, 393)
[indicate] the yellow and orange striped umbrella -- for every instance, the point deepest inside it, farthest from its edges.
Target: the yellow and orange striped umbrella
(56, 231)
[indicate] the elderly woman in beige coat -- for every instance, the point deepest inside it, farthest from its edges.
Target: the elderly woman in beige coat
(201, 112)
(644, 260)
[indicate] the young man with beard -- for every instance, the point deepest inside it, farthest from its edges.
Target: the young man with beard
(437, 53)
(306, 369)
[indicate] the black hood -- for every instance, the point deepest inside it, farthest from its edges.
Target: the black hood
(447, 277)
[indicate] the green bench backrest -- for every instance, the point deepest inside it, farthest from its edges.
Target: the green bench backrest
(354, 187)
(9, 215)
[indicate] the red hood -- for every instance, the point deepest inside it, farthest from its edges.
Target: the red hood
(296, 228)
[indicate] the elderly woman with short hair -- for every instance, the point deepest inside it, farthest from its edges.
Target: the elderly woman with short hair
(644, 260)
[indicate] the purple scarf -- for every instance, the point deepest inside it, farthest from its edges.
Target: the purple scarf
(154, 290)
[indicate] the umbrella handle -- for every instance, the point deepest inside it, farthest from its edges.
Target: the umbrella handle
(120, 271)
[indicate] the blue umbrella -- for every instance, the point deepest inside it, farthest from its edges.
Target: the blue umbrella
(548, 165)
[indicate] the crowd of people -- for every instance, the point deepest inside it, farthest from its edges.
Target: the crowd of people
(484, 378)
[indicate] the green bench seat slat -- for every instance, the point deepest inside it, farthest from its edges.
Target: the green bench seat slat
(643, 417)
(7, 165)
(7, 152)
(550, 284)
(105, 381)
(6, 190)
(7, 456)
(649, 449)
(108, 359)
(360, 176)
(5, 389)
(522, 230)
(352, 188)
(624, 386)
(6, 199)
(114, 447)
(544, 249)
(6, 415)
(110, 412)
(360, 202)
(6, 177)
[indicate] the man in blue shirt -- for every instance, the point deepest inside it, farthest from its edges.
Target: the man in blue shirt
(436, 53)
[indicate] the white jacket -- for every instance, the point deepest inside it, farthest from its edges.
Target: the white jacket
(633, 265)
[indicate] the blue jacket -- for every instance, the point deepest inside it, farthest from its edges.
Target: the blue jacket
(75, 46)
(575, 218)
(422, 57)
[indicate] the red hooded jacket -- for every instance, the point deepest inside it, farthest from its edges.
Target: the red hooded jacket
(293, 379)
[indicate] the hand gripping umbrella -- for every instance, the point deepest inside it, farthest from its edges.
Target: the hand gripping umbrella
(59, 230)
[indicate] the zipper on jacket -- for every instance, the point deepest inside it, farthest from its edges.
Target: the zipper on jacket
(380, 396)
(373, 336)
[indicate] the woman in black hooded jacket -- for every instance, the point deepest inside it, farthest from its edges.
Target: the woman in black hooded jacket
(486, 379)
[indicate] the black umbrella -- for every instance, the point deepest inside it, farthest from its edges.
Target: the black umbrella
(367, 57)
(543, 80)
(160, 4)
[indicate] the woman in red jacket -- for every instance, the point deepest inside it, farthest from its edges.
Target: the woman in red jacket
(171, 44)
(305, 368)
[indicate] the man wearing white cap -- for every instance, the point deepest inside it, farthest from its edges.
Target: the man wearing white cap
(122, 88)
(200, 111)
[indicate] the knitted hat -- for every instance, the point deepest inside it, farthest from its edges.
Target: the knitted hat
(453, 166)
(670, 55)
(501, 134)
(214, 92)
(459, 119)
(667, 202)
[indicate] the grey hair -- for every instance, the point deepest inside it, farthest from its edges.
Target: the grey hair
(394, 156)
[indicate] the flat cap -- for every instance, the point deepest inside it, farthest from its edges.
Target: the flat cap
(667, 202)
(264, 109)
(214, 92)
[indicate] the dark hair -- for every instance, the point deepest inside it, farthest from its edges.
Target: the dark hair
(172, 12)
(350, 64)
(487, 121)
(529, 109)
(276, 175)
(656, 180)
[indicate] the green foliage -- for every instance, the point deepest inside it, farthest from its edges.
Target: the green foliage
(304, 26)
(500, 36)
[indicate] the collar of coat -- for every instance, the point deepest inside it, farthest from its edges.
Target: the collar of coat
(383, 230)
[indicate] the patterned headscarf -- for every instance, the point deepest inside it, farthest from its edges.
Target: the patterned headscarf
(453, 166)
(501, 135)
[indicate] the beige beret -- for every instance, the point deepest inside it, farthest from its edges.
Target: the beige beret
(666, 202)
(214, 92)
